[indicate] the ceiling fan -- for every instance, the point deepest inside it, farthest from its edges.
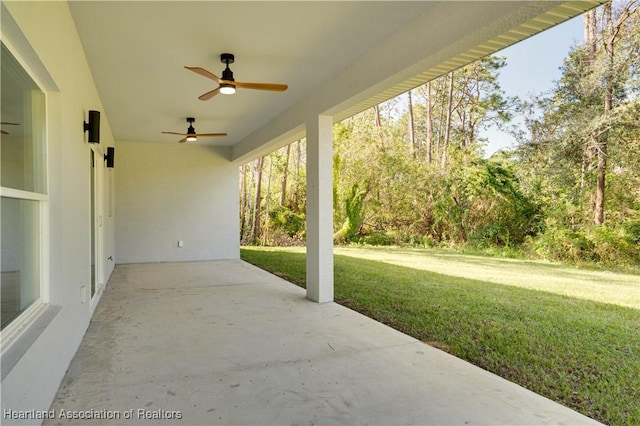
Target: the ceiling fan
(191, 135)
(4, 123)
(227, 84)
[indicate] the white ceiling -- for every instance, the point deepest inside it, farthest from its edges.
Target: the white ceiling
(137, 51)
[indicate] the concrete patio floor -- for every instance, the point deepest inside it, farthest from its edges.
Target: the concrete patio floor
(223, 342)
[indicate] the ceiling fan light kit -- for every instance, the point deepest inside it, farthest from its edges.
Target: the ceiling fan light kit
(227, 89)
(191, 135)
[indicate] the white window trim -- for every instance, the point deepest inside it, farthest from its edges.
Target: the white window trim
(18, 326)
(98, 177)
(22, 195)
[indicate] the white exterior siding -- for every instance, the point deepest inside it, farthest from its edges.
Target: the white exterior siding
(167, 193)
(43, 36)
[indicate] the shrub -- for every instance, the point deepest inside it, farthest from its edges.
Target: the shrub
(428, 241)
(614, 245)
(278, 238)
(291, 223)
(379, 239)
(563, 244)
(601, 244)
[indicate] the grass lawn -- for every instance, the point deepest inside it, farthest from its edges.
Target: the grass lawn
(540, 325)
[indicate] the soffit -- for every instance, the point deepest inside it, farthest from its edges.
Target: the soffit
(137, 50)
(338, 58)
(558, 14)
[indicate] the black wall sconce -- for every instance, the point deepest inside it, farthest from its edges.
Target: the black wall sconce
(110, 156)
(93, 126)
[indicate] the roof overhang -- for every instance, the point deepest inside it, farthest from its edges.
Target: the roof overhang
(339, 58)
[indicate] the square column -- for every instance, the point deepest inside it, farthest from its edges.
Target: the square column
(320, 209)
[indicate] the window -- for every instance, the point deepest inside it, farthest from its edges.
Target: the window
(23, 190)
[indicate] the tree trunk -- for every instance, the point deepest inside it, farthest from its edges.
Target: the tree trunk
(296, 194)
(589, 24)
(473, 113)
(285, 172)
(600, 184)
(268, 203)
(441, 120)
(429, 126)
(462, 116)
(256, 211)
(590, 41)
(376, 113)
(412, 137)
(447, 130)
(243, 198)
(248, 225)
(598, 213)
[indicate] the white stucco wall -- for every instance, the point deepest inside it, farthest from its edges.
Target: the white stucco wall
(44, 38)
(167, 193)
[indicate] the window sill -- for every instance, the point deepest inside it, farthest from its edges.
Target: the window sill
(15, 346)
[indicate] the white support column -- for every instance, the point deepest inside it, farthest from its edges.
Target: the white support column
(320, 209)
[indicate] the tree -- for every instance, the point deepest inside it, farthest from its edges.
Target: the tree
(411, 170)
(447, 131)
(285, 175)
(583, 121)
(354, 211)
(412, 136)
(255, 231)
(429, 124)
(579, 158)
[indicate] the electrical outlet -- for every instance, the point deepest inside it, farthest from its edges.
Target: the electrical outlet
(180, 243)
(83, 294)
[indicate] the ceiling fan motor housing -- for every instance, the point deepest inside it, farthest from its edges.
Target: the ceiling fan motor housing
(227, 74)
(227, 58)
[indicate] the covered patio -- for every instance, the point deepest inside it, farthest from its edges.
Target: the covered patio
(184, 324)
(223, 342)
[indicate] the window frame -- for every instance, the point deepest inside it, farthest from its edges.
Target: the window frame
(21, 324)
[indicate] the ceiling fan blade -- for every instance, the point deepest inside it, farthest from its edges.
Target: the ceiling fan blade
(210, 134)
(204, 73)
(175, 133)
(274, 87)
(3, 132)
(209, 95)
(10, 124)
(183, 140)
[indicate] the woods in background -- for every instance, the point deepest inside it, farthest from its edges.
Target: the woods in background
(412, 170)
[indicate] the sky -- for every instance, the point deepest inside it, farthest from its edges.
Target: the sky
(532, 67)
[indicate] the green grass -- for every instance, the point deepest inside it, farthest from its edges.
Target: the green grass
(597, 285)
(579, 352)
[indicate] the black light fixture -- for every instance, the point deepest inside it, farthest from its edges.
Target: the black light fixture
(227, 74)
(191, 132)
(93, 126)
(109, 157)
